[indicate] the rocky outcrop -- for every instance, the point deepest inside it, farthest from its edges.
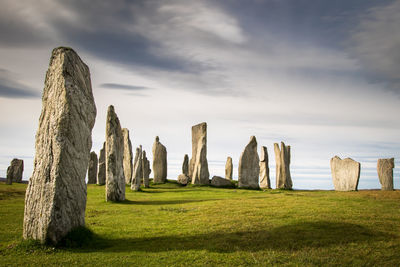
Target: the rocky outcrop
(137, 170)
(55, 199)
(101, 172)
(115, 179)
(128, 165)
(92, 170)
(265, 182)
(185, 165)
(249, 168)
(218, 181)
(345, 173)
(159, 162)
(146, 170)
(385, 173)
(183, 179)
(228, 168)
(198, 165)
(14, 171)
(282, 159)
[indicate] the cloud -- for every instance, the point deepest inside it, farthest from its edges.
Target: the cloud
(123, 87)
(376, 44)
(10, 88)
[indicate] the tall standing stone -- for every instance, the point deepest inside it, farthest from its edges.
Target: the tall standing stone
(282, 159)
(345, 173)
(15, 170)
(265, 182)
(137, 170)
(198, 165)
(159, 162)
(185, 165)
(55, 199)
(146, 170)
(228, 168)
(385, 173)
(101, 172)
(92, 170)
(115, 179)
(128, 166)
(249, 168)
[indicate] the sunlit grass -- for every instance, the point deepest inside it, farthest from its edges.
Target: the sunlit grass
(197, 226)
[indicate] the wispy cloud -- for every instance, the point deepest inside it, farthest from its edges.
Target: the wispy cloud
(10, 88)
(123, 87)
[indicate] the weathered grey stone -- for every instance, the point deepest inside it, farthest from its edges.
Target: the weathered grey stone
(137, 175)
(249, 168)
(282, 159)
(128, 165)
(345, 173)
(101, 172)
(146, 170)
(159, 162)
(198, 165)
(265, 182)
(115, 179)
(228, 168)
(183, 179)
(15, 170)
(218, 181)
(92, 170)
(385, 173)
(185, 165)
(55, 199)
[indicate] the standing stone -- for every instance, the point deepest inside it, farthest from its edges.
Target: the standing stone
(282, 158)
(128, 166)
(146, 170)
(265, 182)
(185, 165)
(115, 179)
(228, 168)
(345, 174)
(101, 172)
(159, 162)
(15, 170)
(249, 168)
(385, 173)
(92, 170)
(55, 199)
(198, 165)
(137, 170)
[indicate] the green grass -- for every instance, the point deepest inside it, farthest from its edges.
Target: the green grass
(203, 226)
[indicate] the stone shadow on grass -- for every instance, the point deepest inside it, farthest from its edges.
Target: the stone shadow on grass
(284, 238)
(163, 202)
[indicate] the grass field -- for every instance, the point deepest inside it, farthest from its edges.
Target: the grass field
(203, 226)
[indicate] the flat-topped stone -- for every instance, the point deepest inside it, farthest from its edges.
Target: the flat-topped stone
(218, 181)
(345, 173)
(385, 173)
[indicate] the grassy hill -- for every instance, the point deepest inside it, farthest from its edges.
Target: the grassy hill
(203, 226)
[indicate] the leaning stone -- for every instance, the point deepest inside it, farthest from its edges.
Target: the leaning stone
(265, 182)
(101, 172)
(92, 170)
(55, 199)
(249, 168)
(385, 173)
(115, 179)
(159, 162)
(345, 174)
(137, 170)
(228, 168)
(146, 170)
(185, 165)
(128, 166)
(183, 179)
(218, 181)
(15, 170)
(282, 159)
(198, 165)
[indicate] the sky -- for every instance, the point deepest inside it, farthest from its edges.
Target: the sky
(321, 76)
